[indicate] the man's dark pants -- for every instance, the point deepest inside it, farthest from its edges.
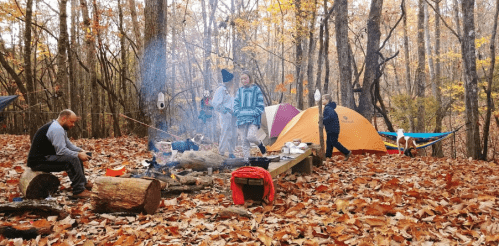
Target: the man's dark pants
(332, 141)
(58, 163)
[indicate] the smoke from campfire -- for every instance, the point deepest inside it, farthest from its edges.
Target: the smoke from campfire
(156, 75)
(153, 73)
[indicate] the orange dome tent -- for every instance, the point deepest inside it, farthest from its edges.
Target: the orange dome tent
(356, 132)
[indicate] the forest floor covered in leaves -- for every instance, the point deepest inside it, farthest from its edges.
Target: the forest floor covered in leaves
(368, 200)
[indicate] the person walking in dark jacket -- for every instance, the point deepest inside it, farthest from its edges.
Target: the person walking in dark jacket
(332, 126)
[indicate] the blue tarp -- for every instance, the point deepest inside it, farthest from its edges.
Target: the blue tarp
(4, 102)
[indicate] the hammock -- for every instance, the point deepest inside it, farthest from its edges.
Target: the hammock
(423, 140)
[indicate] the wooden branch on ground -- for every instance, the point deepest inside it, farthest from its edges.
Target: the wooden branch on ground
(36, 206)
(233, 211)
(26, 231)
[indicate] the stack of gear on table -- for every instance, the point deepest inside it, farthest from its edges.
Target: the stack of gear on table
(295, 147)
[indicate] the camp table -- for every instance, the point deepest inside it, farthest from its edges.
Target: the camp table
(253, 188)
(299, 163)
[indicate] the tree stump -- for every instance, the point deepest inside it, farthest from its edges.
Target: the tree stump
(112, 194)
(37, 184)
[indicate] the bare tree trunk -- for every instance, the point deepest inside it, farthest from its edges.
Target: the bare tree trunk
(326, 57)
(154, 62)
(431, 64)
(344, 64)
(455, 4)
(62, 78)
(282, 52)
(299, 54)
(406, 53)
(135, 24)
(408, 83)
(490, 80)
(323, 54)
(310, 68)
(91, 55)
(471, 80)
(366, 107)
(420, 72)
(30, 83)
(75, 99)
(437, 148)
(124, 67)
(236, 59)
(138, 67)
(207, 19)
(97, 97)
(173, 13)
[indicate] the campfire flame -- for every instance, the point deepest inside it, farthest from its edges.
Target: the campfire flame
(173, 176)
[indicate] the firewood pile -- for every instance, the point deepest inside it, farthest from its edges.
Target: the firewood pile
(192, 171)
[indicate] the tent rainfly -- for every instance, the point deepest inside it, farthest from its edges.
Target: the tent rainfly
(356, 132)
(274, 119)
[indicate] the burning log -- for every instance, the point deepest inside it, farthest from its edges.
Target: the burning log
(126, 195)
(177, 180)
(186, 180)
(181, 188)
(187, 183)
(37, 184)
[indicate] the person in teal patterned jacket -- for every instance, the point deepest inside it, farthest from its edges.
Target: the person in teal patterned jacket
(248, 109)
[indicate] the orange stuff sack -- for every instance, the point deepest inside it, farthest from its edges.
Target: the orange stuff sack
(114, 172)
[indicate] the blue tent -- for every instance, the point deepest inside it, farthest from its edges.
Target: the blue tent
(5, 101)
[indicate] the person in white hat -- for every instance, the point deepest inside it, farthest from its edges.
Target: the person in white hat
(223, 103)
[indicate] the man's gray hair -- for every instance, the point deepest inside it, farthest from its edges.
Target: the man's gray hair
(66, 113)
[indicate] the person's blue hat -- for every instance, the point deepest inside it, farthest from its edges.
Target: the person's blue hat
(227, 76)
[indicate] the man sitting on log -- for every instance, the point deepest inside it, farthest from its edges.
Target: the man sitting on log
(51, 151)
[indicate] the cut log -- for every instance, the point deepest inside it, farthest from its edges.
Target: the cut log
(126, 195)
(37, 184)
(200, 160)
(35, 206)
